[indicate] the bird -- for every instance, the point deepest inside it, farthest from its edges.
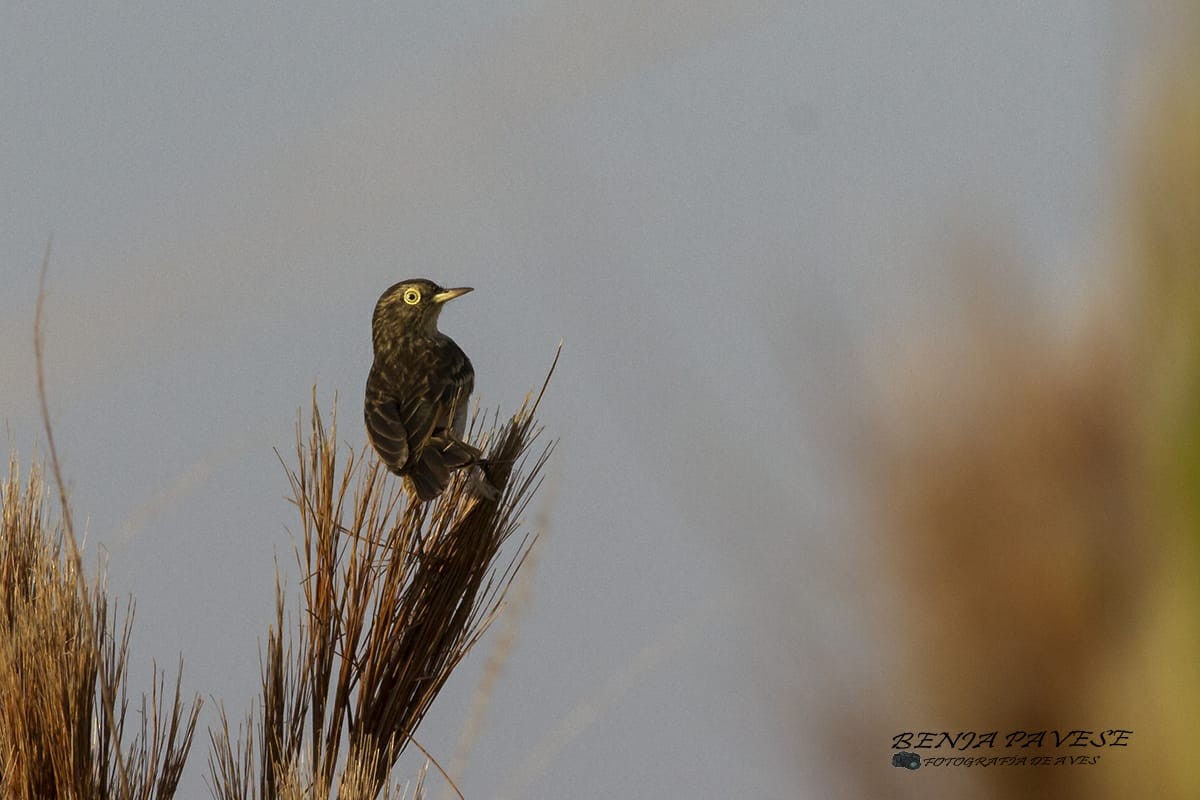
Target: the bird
(417, 391)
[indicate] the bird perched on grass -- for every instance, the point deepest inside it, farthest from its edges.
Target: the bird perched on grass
(418, 388)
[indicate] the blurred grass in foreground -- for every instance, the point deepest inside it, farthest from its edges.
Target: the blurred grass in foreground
(1040, 498)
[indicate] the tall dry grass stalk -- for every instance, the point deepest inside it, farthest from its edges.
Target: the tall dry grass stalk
(63, 665)
(393, 594)
(64, 658)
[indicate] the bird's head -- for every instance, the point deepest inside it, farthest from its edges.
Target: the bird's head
(410, 308)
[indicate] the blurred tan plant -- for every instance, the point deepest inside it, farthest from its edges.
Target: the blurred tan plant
(1040, 498)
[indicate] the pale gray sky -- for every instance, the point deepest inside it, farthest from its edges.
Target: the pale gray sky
(711, 202)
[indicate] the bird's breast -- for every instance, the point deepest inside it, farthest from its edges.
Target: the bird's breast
(423, 360)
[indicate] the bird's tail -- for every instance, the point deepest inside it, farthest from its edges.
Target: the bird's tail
(439, 458)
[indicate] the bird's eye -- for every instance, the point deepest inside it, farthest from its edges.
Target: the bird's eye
(412, 296)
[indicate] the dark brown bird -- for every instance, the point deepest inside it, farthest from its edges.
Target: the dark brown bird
(418, 388)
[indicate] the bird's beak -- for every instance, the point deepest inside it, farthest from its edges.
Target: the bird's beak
(450, 294)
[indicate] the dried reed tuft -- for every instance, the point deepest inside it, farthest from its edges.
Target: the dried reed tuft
(394, 593)
(64, 659)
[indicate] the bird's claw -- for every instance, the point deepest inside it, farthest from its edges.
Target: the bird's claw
(481, 486)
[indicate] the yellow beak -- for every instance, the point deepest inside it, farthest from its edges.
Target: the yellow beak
(450, 294)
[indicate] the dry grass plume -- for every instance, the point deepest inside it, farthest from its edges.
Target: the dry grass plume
(64, 654)
(393, 593)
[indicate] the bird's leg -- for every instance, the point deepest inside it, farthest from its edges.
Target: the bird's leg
(477, 465)
(479, 483)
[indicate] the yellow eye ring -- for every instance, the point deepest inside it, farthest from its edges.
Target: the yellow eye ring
(412, 296)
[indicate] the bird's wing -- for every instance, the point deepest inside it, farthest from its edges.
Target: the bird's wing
(442, 450)
(452, 392)
(387, 432)
(460, 394)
